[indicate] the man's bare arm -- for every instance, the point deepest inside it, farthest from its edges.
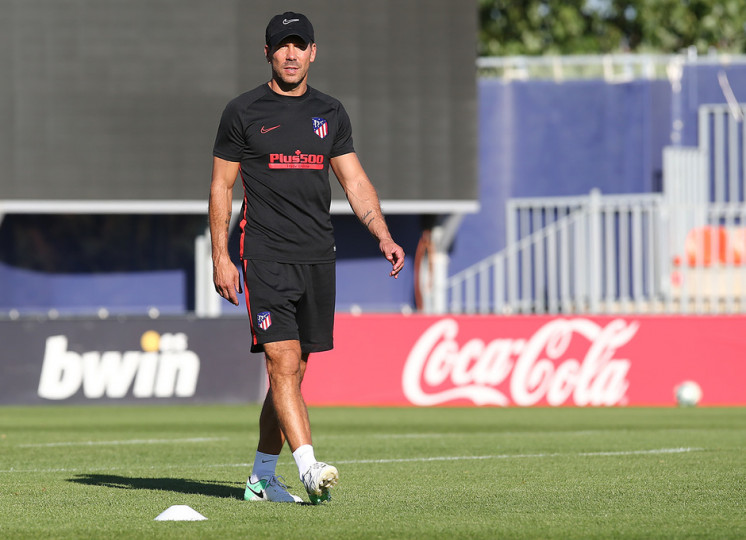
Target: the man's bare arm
(364, 201)
(225, 276)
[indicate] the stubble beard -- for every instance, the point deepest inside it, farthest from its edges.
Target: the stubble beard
(288, 84)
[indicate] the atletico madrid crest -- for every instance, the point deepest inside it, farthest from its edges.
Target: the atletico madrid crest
(320, 128)
(264, 320)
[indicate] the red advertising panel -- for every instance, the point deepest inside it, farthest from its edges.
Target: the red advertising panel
(525, 361)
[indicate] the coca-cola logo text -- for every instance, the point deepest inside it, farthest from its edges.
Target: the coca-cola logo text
(520, 371)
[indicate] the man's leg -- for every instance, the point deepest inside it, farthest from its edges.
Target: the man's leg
(285, 409)
(286, 366)
(271, 441)
(271, 437)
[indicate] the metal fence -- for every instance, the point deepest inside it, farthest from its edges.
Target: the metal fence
(613, 254)
(680, 251)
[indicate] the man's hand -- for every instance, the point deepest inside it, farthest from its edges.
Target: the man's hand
(227, 281)
(394, 254)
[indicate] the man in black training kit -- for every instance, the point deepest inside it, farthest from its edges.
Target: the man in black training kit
(282, 137)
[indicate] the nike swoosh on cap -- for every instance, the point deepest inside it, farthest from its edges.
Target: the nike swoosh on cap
(288, 21)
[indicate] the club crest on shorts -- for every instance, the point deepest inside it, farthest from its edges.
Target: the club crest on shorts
(264, 320)
(320, 127)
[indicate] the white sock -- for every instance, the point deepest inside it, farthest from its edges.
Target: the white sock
(304, 458)
(264, 465)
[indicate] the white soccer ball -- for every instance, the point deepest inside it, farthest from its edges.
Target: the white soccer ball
(688, 394)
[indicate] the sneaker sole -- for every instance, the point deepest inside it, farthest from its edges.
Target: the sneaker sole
(296, 500)
(328, 479)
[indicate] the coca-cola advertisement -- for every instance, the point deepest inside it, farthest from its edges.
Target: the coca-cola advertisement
(529, 360)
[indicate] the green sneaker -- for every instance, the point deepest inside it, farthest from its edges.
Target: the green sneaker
(269, 489)
(319, 479)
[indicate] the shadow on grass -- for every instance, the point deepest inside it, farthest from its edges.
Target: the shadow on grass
(178, 485)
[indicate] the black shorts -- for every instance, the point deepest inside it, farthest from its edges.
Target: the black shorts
(290, 302)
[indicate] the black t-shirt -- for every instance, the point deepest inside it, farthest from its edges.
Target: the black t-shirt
(284, 144)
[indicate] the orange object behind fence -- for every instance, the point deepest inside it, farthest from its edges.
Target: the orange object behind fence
(708, 245)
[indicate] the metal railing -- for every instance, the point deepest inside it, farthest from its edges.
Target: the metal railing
(613, 254)
(680, 251)
(579, 254)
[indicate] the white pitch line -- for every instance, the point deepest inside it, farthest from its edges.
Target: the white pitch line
(182, 466)
(498, 434)
(643, 452)
(375, 436)
(123, 442)
(525, 456)
(473, 434)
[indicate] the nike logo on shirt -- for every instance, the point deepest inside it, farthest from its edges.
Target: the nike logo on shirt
(267, 130)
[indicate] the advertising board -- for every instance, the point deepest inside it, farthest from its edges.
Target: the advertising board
(381, 360)
(529, 360)
(128, 361)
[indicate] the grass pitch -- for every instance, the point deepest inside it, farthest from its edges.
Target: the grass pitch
(107, 472)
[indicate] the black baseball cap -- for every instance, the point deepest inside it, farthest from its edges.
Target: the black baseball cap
(288, 24)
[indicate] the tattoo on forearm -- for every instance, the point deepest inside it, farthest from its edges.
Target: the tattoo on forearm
(367, 219)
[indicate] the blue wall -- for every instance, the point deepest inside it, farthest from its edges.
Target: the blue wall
(31, 292)
(542, 138)
(700, 85)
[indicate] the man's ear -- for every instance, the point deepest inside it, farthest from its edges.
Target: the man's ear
(266, 53)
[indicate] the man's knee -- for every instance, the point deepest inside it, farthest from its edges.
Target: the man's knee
(284, 360)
